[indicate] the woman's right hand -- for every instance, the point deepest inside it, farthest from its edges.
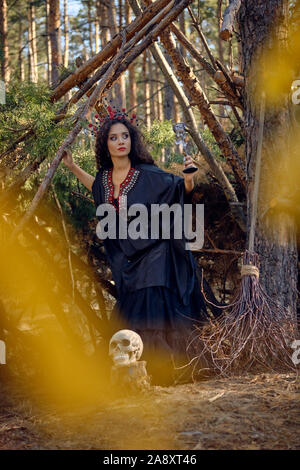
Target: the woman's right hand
(68, 158)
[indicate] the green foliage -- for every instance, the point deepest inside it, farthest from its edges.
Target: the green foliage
(161, 135)
(28, 108)
(174, 158)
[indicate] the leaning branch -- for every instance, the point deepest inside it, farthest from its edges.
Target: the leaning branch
(109, 50)
(221, 81)
(87, 87)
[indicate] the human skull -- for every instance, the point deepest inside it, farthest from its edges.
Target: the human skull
(125, 347)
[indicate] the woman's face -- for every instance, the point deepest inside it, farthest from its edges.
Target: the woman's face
(118, 140)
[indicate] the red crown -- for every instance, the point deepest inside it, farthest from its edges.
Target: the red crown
(113, 113)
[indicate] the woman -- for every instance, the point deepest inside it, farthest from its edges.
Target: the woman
(158, 295)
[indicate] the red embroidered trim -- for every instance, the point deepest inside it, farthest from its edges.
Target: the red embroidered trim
(122, 186)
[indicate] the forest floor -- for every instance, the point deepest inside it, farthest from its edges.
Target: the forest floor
(248, 412)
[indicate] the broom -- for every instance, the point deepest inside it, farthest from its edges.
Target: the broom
(253, 332)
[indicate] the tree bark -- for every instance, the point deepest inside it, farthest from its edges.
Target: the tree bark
(168, 96)
(176, 110)
(121, 81)
(33, 76)
(118, 87)
(29, 49)
(66, 34)
(182, 29)
(159, 101)
(228, 20)
(220, 44)
(275, 239)
(48, 43)
(97, 29)
(20, 54)
(5, 69)
(146, 91)
(90, 26)
(102, 14)
(152, 88)
(131, 69)
(54, 32)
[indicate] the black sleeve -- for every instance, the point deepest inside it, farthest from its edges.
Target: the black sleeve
(96, 189)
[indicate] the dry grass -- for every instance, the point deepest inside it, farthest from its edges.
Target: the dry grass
(249, 412)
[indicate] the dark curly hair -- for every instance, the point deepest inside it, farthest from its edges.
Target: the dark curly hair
(138, 152)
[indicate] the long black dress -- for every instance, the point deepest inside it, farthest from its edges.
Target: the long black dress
(158, 294)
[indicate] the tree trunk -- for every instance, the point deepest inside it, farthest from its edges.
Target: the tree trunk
(121, 82)
(220, 43)
(32, 44)
(275, 240)
(181, 21)
(176, 110)
(111, 13)
(89, 7)
(20, 54)
(168, 103)
(159, 97)
(146, 91)
(97, 29)
(131, 68)
(5, 69)
(48, 43)
(152, 88)
(103, 18)
(54, 32)
(66, 34)
(29, 53)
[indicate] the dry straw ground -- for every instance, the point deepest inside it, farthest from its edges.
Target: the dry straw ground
(249, 412)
